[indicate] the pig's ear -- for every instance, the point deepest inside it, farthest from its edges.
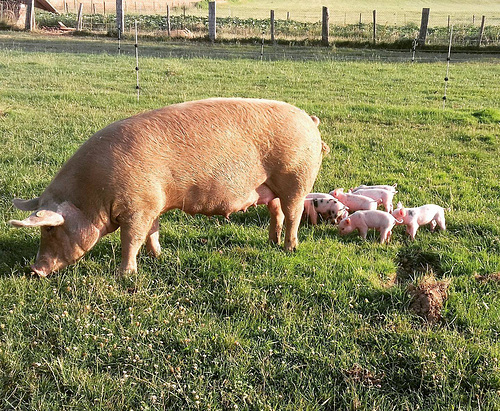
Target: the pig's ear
(348, 221)
(40, 219)
(26, 205)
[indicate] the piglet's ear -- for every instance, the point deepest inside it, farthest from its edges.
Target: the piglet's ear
(41, 218)
(26, 205)
(348, 221)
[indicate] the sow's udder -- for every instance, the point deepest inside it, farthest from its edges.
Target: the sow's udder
(223, 202)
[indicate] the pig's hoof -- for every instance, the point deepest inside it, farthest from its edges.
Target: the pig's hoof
(125, 271)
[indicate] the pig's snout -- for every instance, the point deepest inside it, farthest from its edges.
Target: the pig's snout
(43, 266)
(38, 271)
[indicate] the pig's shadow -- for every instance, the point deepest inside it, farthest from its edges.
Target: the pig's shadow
(16, 253)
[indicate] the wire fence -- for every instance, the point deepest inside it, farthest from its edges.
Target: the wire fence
(288, 30)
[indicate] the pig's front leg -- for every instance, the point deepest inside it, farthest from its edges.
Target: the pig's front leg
(363, 231)
(412, 230)
(385, 235)
(152, 240)
(133, 233)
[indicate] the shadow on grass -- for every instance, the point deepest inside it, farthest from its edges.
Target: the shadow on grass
(412, 261)
(15, 254)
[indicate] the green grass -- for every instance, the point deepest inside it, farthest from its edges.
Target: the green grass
(223, 320)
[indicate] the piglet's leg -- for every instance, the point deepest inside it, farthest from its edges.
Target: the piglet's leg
(152, 240)
(363, 231)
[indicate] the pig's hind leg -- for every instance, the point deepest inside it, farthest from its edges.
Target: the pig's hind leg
(152, 240)
(440, 221)
(292, 210)
(276, 223)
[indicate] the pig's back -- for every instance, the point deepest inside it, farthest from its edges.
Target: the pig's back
(215, 147)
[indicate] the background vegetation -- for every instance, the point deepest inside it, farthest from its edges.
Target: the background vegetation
(223, 320)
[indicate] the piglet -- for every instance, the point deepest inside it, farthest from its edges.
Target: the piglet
(354, 202)
(415, 217)
(380, 195)
(365, 219)
(328, 206)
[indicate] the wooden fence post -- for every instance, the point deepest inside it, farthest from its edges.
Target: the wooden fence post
(481, 32)
(423, 26)
(272, 27)
(120, 16)
(374, 26)
(325, 27)
(79, 21)
(211, 21)
(30, 15)
(169, 32)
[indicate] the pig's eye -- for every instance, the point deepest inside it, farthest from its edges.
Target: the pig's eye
(49, 228)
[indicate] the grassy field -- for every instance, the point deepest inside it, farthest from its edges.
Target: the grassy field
(223, 320)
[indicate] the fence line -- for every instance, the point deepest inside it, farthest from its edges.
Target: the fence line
(485, 33)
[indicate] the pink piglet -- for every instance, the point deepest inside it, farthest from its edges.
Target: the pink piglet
(413, 218)
(354, 202)
(366, 219)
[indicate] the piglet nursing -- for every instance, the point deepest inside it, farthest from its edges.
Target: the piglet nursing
(325, 205)
(213, 157)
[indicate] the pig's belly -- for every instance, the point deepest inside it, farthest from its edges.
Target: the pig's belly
(225, 203)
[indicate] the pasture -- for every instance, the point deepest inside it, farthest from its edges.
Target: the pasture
(222, 320)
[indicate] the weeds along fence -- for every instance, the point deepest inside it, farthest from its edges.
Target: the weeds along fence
(286, 30)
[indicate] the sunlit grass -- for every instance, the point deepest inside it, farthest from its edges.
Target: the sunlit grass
(223, 320)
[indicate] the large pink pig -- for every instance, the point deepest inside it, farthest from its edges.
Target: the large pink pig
(413, 218)
(213, 157)
(366, 219)
(354, 202)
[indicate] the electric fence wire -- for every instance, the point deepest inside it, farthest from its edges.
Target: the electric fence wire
(262, 47)
(119, 40)
(447, 68)
(137, 61)
(414, 49)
